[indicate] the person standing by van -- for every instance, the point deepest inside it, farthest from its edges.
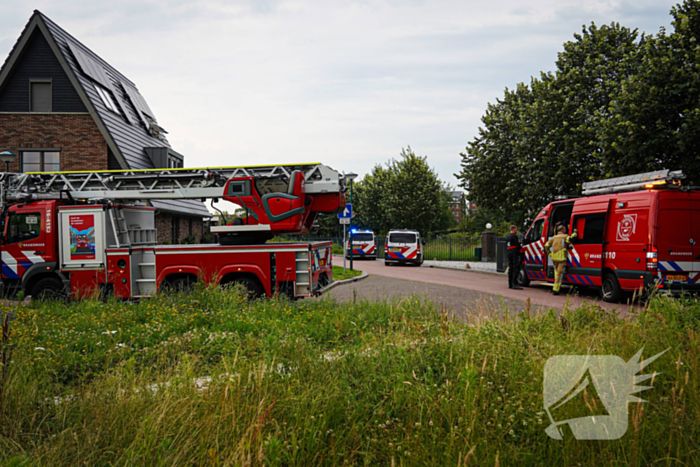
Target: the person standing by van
(558, 247)
(514, 246)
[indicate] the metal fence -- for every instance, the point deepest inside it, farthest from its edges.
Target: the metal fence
(452, 249)
(440, 249)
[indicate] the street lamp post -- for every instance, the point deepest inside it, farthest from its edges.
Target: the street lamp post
(351, 176)
(7, 157)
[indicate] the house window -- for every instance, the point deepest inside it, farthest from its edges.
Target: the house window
(40, 96)
(41, 161)
(174, 163)
(107, 98)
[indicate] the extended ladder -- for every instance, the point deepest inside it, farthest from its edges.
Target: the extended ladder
(198, 183)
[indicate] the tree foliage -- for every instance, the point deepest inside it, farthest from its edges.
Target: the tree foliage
(618, 103)
(406, 193)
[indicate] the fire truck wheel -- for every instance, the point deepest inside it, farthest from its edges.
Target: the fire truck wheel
(523, 280)
(182, 284)
(253, 287)
(611, 288)
(48, 288)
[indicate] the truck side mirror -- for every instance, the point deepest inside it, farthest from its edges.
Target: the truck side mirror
(422, 242)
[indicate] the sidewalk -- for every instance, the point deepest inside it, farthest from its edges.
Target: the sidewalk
(473, 266)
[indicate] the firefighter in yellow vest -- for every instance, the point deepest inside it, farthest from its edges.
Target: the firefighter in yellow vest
(558, 247)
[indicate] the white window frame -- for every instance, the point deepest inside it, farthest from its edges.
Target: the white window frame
(107, 98)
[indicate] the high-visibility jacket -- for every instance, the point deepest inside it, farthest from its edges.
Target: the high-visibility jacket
(557, 246)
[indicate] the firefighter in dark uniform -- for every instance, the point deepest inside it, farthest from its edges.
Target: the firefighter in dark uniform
(514, 246)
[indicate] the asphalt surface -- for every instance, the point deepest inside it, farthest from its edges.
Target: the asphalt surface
(462, 291)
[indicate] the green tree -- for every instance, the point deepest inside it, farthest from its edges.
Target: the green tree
(543, 140)
(655, 118)
(406, 193)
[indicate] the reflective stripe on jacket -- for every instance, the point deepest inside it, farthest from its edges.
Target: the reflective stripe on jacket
(557, 246)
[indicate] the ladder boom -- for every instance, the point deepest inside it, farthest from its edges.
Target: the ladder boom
(199, 183)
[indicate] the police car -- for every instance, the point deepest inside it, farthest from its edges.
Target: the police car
(362, 244)
(403, 247)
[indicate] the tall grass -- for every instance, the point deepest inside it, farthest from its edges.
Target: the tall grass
(211, 379)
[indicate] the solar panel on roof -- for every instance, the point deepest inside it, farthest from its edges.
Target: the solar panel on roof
(90, 67)
(96, 72)
(138, 101)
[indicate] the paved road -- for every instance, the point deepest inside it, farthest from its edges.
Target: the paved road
(456, 288)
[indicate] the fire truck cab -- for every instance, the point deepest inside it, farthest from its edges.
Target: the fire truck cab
(635, 233)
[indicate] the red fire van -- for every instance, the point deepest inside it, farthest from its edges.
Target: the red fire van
(634, 233)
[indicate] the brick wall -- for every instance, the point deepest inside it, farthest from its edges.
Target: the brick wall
(164, 227)
(81, 144)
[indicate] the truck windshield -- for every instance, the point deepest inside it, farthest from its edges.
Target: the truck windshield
(23, 227)
(362, 237)
(402, 238)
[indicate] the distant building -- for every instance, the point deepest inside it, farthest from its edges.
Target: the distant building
(458, 205)
(63, 108)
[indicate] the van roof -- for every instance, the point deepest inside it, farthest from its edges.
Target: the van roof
(404, 230)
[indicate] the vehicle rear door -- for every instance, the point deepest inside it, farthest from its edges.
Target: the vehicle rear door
(534, 256)
(695, 234)
(402, 245)
(674, 237)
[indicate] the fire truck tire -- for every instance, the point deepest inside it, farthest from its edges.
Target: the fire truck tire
(182, 284)
(611, 288)
(253, 287)
(47, 288)
(523, 280)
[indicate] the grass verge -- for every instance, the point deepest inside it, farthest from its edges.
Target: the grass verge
(340, 275)
(211, 379)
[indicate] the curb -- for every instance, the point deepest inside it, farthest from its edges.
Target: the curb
(495, 273)
(346, 281)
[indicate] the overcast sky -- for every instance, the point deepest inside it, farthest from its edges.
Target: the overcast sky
(346, 83)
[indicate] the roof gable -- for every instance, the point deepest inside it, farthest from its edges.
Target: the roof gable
(38, 62)
(124, 125)
(128, 124)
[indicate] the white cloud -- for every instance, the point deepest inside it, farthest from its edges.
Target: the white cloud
(347, 83)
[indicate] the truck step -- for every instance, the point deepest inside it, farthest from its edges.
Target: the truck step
(146, 286)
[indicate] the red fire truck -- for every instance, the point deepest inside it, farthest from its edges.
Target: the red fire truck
(81, 233)
(635, 233)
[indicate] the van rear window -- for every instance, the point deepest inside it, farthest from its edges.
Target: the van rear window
(362, 237)
(402, 238)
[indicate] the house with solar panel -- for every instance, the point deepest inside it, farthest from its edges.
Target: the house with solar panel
(63, 108)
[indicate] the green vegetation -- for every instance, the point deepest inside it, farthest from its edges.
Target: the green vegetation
(339, 275)
(212, 379)
(618, 103)
(406, 194)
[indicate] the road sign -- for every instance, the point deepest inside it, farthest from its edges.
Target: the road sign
(344, 220)
(347, 212)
